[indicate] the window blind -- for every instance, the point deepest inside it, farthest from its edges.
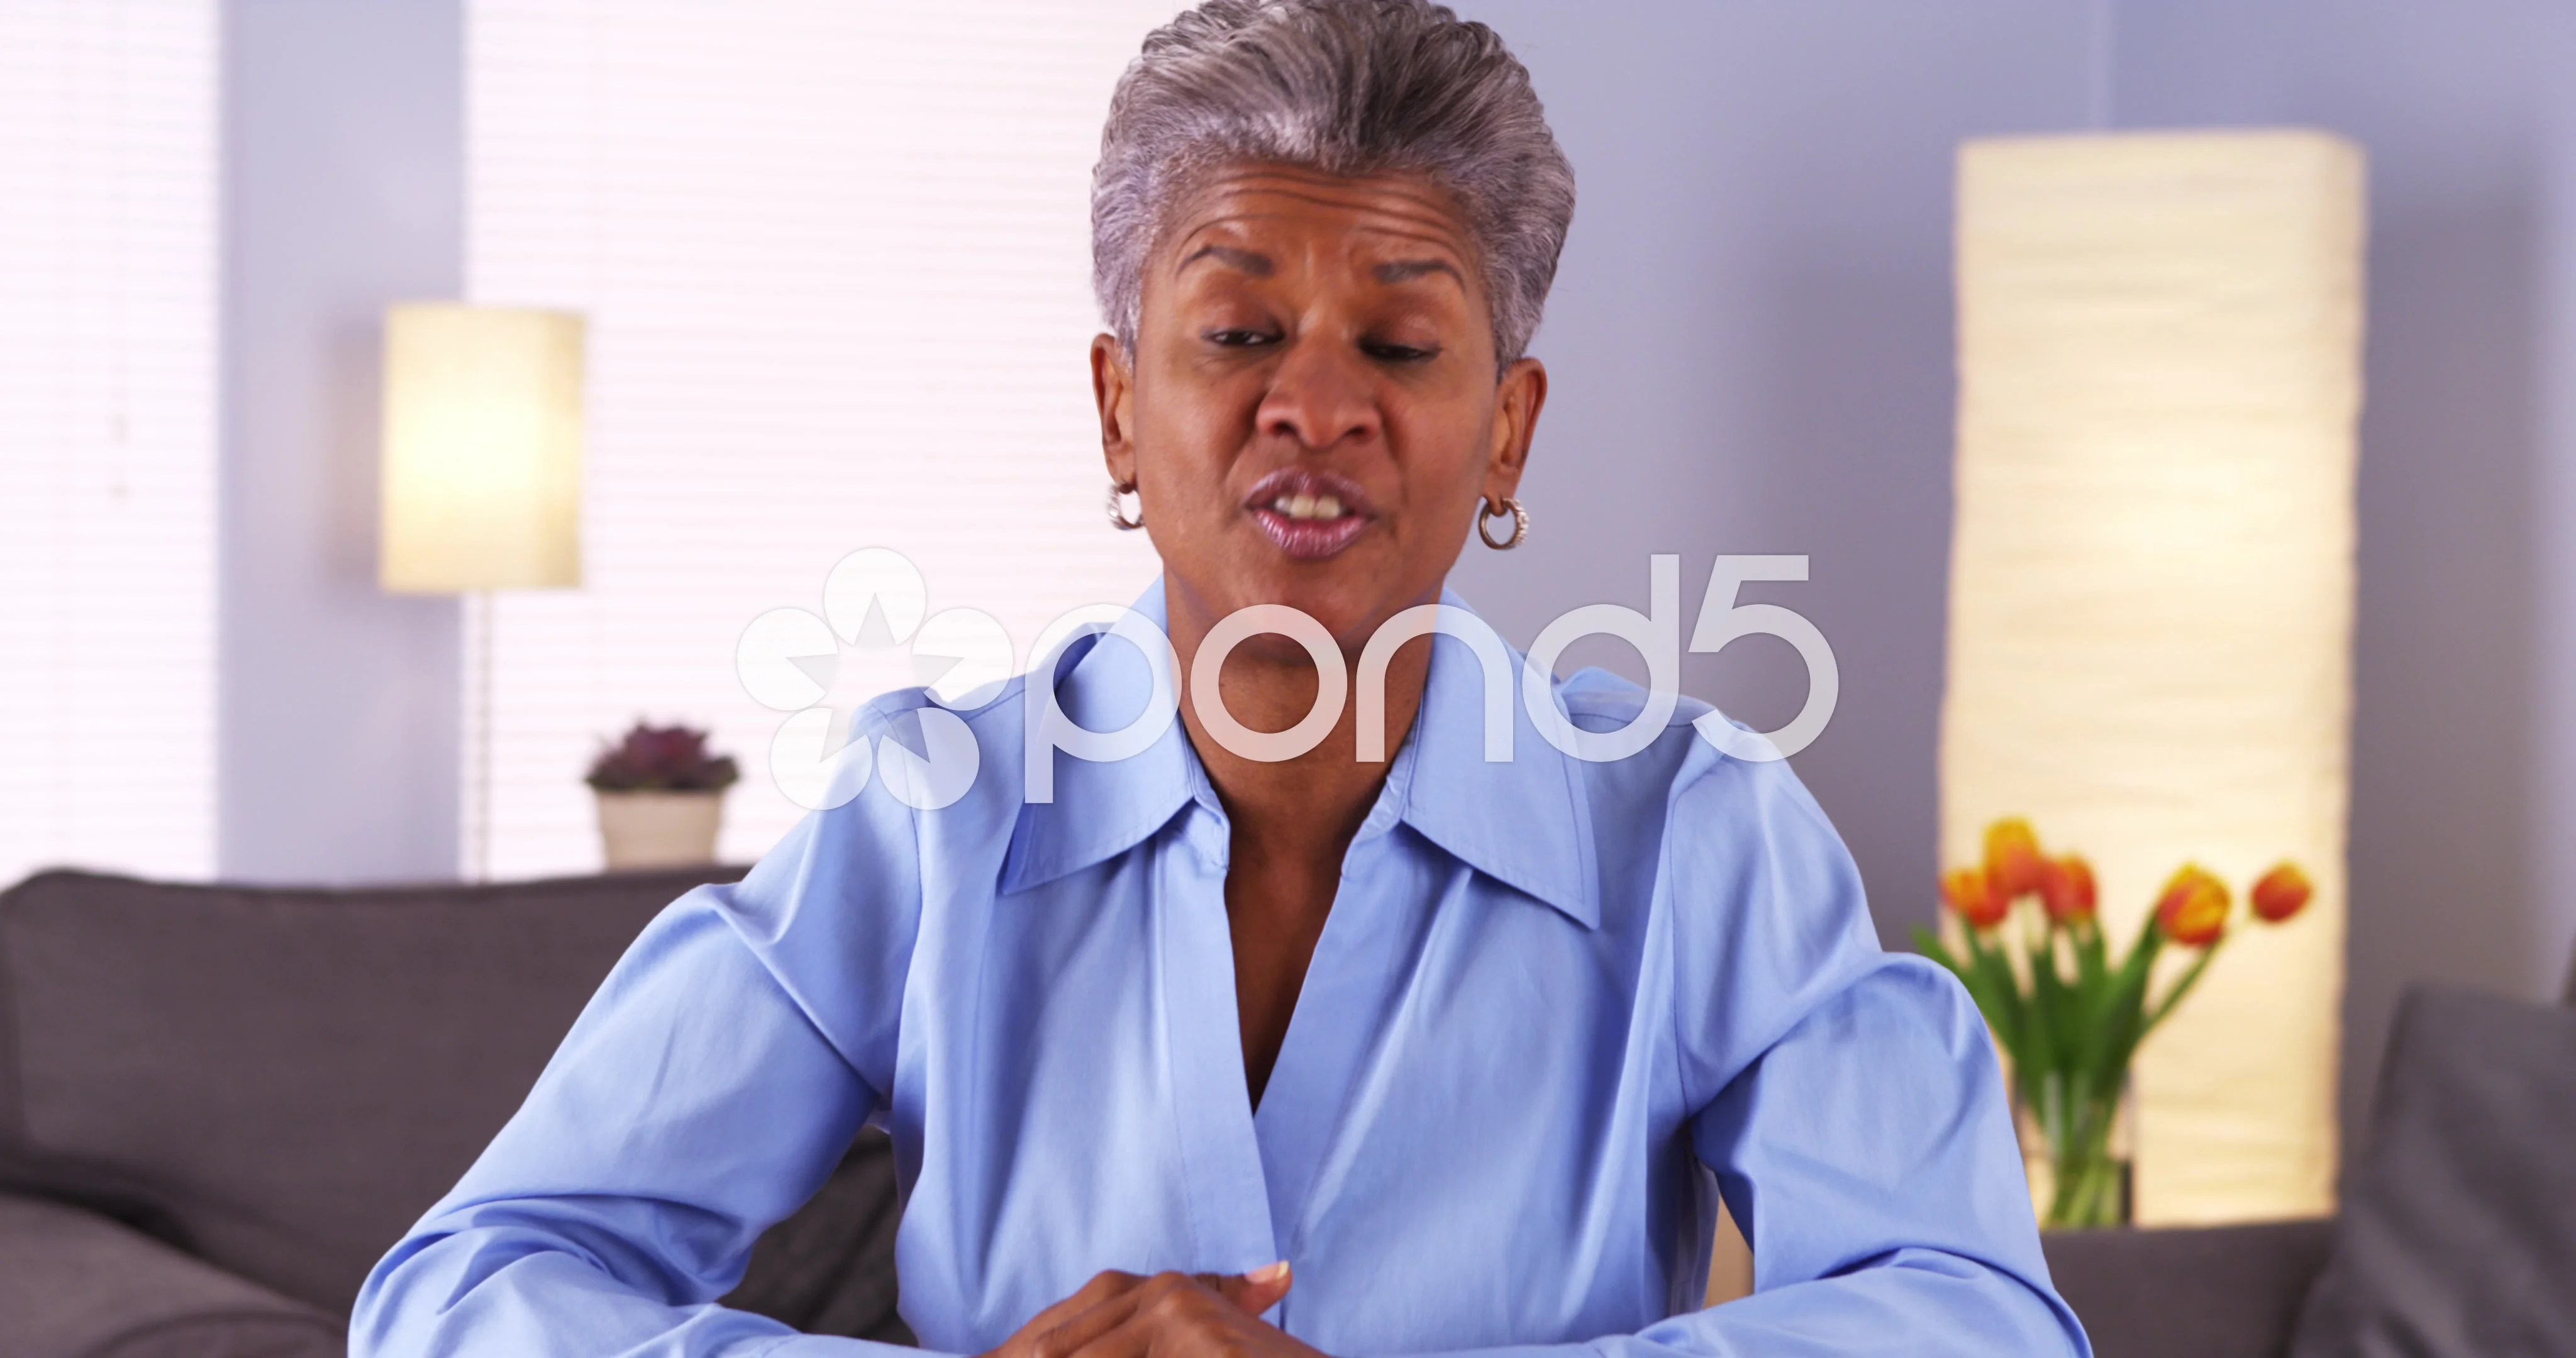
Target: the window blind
(836, 260)
(108, 134)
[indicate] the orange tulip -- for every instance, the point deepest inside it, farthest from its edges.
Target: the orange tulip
(2013, 865)
(2281, 893)
(2193, 910)
(1968, 891)
(2067, 889)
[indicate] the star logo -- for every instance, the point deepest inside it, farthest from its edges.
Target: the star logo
(872, 638)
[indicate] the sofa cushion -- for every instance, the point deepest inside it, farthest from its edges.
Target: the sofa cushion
(282, 1081)
(829, 1268)
(2458, 1232)
(2188, 1292)
(74, 1284)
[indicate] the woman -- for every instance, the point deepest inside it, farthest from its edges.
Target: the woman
(1191, 1051)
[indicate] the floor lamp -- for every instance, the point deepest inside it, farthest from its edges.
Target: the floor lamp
(2151, 590)
(481, 483)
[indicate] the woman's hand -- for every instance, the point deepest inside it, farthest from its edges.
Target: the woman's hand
(1169, 1315)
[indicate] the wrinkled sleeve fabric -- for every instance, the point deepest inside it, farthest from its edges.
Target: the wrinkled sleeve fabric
(1847, 1101)
(1870, 1158)
(705, 1092)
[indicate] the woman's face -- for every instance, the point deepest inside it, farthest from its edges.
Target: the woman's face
(1312, 415)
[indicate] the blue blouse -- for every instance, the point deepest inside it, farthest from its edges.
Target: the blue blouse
(1557, 1009)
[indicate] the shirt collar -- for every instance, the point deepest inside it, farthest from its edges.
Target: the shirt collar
(1102, 809)
(1525, 823)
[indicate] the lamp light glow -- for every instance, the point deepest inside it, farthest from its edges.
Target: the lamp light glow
(481, 471)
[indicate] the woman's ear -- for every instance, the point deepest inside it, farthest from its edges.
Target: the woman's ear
(1517, 400)
(1113, 388)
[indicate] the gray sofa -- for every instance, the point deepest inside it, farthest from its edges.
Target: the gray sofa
(2458, 1230)
(219, 1106)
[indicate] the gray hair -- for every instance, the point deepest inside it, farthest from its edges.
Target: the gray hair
(1348, 87)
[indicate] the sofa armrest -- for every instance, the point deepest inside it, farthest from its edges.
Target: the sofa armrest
(2201, 1292)
(74, 1284)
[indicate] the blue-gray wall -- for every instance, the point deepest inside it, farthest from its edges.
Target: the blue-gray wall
(1750, 346)
(1752, 350)
(343, 189)
(2464, 740)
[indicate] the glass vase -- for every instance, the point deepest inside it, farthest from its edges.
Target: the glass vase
(2076, 1152)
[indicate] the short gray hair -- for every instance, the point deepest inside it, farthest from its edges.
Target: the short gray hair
(1348, 87)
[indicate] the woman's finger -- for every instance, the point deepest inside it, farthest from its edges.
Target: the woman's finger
(1102, 1287)
(1065, 1336)
(1253, 1292)
(1173, 1315)
(1110, 1304)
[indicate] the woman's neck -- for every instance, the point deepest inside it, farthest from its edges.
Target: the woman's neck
(1317, 799)
(1292, 820)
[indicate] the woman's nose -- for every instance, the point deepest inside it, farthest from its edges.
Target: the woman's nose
(1322, 393)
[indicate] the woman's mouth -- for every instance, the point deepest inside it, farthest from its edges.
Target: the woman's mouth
(1310, 514)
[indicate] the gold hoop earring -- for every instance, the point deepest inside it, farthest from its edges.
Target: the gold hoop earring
(1118, 512)
(1520, 524)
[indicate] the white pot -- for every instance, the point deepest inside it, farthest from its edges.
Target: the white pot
(659, 829)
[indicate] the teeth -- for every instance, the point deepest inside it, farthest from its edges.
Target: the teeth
(1304, 506)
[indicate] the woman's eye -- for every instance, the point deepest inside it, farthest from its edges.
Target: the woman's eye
(1240, 337)
(1386, 352)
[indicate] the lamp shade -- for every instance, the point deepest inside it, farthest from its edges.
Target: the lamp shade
(481, 476)
(2152, 591)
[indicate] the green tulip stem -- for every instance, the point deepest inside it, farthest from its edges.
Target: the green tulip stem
(2182, 985)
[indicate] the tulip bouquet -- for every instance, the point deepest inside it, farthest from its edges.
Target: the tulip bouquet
(2068, 1014)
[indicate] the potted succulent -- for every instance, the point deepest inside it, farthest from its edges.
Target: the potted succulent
(661, 797)
(2068, 1015)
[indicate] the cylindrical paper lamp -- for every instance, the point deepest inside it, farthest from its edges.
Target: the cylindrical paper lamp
(482, 449)
(2151, 592)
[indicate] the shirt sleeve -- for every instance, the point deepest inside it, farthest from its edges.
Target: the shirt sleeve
(706, 1091)
(1870, 1159)
(1848, 1102)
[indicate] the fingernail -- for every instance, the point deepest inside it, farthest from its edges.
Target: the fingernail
(1268, 1273)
